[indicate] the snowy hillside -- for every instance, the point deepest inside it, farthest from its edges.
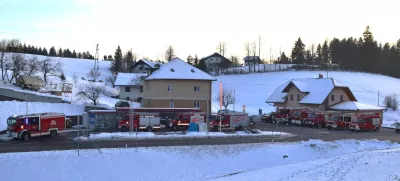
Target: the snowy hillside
(9, 108)
(311, 160)
(254, 89)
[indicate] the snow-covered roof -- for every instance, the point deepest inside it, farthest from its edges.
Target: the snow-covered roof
(278, 96)
(179, 69)
(127, 78)
(152, 64)
(355, 106)
(316, 89)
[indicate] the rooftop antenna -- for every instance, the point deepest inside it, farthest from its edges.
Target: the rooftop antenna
(96, 58)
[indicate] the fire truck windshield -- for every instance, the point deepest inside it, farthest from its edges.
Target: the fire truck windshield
(312, 115)
(297, 114)
(334, 118)
(11, 121)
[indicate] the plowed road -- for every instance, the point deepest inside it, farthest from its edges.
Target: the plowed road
(65, 141)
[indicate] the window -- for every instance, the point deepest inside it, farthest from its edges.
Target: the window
(171, 104)
(169, 88)
(298, 97)
(196, 104)
(197, 88)
(291, 97)
(332, 97)
(141, 88)
(127, 89)
(127, 98)
(33, 121)
(341, 98)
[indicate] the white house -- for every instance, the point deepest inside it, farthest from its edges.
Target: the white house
(130, 85)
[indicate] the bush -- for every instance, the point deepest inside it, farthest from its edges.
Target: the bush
(391, 101)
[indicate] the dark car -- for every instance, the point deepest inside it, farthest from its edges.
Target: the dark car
(122, 104)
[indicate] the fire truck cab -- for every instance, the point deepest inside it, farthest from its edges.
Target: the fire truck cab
(282, 115)
(34, 125)
(231, 120)
(366, 123)
(299, 116)
(339, 121)
(182, 120)
(141, 121)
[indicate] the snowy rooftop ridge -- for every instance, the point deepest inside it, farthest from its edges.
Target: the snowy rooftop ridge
(317, 90)
(152, 64)
(179, 69)
(124, 79)
(355, 106)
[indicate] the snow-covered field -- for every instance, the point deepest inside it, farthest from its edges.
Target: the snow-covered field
(9, 108)
(311, 160)
(254, 89)
(172, 135)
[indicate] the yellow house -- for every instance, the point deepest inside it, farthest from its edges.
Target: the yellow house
(314, 93)
(178, 84)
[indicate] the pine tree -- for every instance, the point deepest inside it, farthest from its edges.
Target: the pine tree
(110, 57)
(39, 51)
(325, 54)
(129, 61)
(25, 49)
(318, 59)
(44, 52)
(74, 54)
(202, 65)
(62, 77)
(105, 57)
(298, 52)
(60, 53)
(195, 60)
(117, 62)
(52, 52)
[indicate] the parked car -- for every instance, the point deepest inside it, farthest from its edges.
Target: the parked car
(122, 104)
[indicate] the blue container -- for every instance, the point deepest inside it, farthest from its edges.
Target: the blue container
(193, 127)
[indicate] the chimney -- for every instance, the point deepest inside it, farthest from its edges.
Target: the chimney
(320, 76)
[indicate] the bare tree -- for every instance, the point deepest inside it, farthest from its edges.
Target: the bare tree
(94, 75)
(17, 64)
(259, 51)
(228, 98)
(254, 51)
(169, 54)
(234, 60)
(111, 80)
(50, 67)
(75, 79)
(32, 65)
(221, 48)
(248, 52)
(4, 60)
(91, 92)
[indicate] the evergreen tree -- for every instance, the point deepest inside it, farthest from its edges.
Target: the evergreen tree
(62, 77)
(39, 51)
(105, 57)
(202, 65)
(129, 61)
(25, 49)
(116, 65)
(196, 60)
(79, 55)
(309, 58)
(52, 52)
(298, 52)
(110, 57)
(44, 52)
(318, 58)
(74, 54)
(60, 53)
(325, 54)
(283, 59)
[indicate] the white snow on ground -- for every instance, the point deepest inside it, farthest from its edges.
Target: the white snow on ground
(9, 108)
(311, 160)
(189, 135)
(5, 137)
(254, 89)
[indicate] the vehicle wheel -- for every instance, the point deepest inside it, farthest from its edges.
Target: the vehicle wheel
(124, 129)
(53, 133)
(174, 127)
(352, 130)
(25, 136)
(214, 128)
(319, 125)
(329, 127)
(149, 129)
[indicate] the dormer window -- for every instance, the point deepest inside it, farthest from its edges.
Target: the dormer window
(192, 70)
(172, 70)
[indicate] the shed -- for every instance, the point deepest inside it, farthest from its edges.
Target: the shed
(33, 82)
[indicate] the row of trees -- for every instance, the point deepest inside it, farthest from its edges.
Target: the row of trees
(15, 46)
(358, 54)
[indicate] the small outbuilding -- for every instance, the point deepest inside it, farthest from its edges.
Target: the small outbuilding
(30, 82)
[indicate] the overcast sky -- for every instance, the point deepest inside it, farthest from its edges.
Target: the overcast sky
(193, 26)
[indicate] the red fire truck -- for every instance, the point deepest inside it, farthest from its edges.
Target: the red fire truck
(231, 120)
(182, 120)
(141, 121)
(299, 116)
(33, 125)
(282, 115)
(367, 122)
(339, 121)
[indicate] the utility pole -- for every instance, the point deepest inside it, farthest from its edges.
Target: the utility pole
(96, 58)
(378, 98)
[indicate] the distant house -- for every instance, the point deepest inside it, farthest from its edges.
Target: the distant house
(216, 62)
(251, 60)
(178, 84)
(30, 82)
(314, 93)
(145, 66)
(130, 85)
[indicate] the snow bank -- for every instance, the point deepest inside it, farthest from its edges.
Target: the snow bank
(9, 108)
(4, 137)
(311, 160)
(174, 135)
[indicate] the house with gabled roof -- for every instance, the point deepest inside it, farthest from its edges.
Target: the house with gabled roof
(145, 66)
(316, 93)
(215, 62)
(130, 85)
(178, 84)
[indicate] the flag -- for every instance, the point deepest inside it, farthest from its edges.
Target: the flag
(220, 95)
